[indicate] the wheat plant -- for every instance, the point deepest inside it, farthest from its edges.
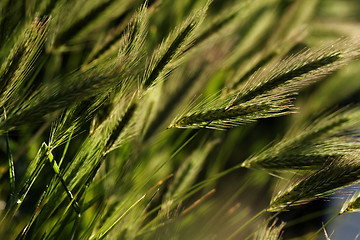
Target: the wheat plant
(124, 119)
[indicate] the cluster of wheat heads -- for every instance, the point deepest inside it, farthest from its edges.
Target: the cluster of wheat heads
(124, 119)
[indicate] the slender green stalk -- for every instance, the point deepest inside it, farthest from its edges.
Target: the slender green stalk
(56, 169)
(65, 148)
(323, 227)
(11, 171)
(26, 229)
(40, 160)
(246, 224)
(104, 233)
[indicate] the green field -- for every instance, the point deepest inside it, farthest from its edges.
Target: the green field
(166, 119)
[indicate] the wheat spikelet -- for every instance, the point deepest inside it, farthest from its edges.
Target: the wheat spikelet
(122, 123)
(270, 232)
(19, 65)
(172, 49)
(339, 174)
(95, 80)
(219, 114)
(352, 204)
(284, 76)
(275, 86)
(322, 141)
(304, 155)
